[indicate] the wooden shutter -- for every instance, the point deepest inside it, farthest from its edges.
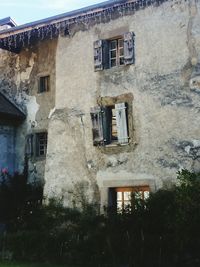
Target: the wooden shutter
(107, 124)
(97, 126)
(29, 145)
(129, 43)
(121, 118)
(98, 55)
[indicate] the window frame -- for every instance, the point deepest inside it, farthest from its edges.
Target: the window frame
(123, 204)
(41, 146)
(117, 49)
(102, 51)
(43, 84)
(32, 147)
(97, 132)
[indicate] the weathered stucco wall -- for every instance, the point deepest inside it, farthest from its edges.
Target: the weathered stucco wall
(165, 105)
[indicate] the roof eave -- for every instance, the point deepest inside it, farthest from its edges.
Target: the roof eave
(59, 18)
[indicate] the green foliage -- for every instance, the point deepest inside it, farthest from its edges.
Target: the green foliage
(160, 232)
(17, 197)
(17, 264)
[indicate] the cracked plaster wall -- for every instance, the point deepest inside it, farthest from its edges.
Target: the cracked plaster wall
(165, 84)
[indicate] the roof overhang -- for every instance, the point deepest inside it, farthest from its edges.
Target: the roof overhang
(14, 39)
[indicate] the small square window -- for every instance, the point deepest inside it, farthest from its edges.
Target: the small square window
(114, 52)
(44, 84)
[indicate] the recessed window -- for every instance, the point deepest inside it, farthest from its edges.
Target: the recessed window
(110, 124)
(114, 52)
(44, 84)
(125, 198)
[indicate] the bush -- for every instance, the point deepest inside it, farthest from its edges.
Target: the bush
(162, 231)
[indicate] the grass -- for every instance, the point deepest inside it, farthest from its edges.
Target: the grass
(15, 264)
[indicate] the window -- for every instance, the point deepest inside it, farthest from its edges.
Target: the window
(44, 84)
(114, 52)
(36, 144)
(109, 124)
(124, 198)
(41, 144)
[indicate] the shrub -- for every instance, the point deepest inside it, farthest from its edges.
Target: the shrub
(160, 232)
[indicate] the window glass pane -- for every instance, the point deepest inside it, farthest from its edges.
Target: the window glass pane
(121, 52)
(113, 62)
(113, 54)
(113, 44)
(42, 144)
(121, 61)
(44, 84)
(146, 195)
(127, 195)
(119, 196)
(119, 206)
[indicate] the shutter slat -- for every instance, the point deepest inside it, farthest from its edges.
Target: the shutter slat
(98, 55)
(121, 120)
(97, 126)
(129, 47)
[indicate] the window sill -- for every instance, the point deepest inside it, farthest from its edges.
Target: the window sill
(115, 144)
(37, 158)
(117, 148)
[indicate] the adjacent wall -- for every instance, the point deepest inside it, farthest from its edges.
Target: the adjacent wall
(19, 76)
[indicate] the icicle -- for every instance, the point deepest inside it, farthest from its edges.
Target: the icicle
(57, 29)
(21, 38)
(51, 33)
(38, 31)
(4, 42)
(42, 30)
(9, 42)
(29, 37)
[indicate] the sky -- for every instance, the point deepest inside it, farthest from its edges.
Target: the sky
(24, 11)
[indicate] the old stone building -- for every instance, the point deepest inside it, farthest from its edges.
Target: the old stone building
(111, 94)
